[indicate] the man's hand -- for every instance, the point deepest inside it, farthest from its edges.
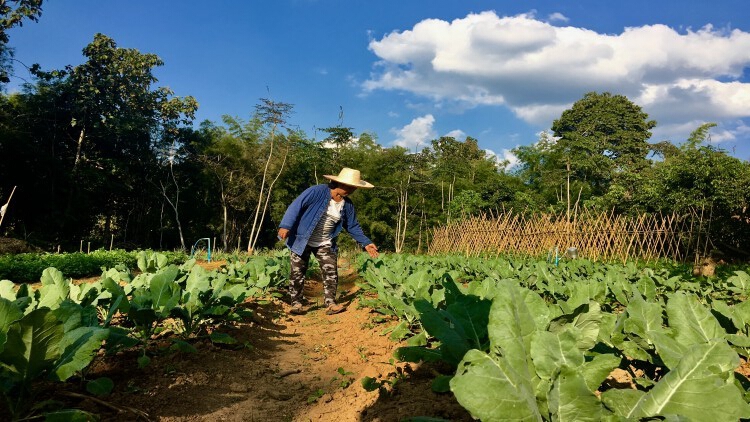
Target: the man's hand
(283, 233)
(372, 250)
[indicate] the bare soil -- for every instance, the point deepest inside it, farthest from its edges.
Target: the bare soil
(15, 246)
(293, 368)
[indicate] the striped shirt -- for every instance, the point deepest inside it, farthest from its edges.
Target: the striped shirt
(321, 235)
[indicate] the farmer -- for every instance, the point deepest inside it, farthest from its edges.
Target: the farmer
(311, 224)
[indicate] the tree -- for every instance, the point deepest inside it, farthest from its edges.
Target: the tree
(338, 137)
(600, 137)
(455, 165)
(275, 115)
(12, 14)
(94, 134)
(701, 176)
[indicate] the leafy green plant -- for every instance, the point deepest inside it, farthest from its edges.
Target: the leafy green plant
(315, 396)
(346, 378)
(28, 267)
(45, 343)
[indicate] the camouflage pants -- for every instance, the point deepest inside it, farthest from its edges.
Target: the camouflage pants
(328, 267)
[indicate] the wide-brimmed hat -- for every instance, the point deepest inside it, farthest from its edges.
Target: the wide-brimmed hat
(349, 177)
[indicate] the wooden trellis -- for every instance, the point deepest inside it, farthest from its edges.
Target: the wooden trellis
(596, 236)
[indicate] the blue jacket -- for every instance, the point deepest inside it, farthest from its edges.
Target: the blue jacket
(304, 213)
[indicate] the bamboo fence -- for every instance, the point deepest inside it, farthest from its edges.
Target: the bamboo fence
(595, 236)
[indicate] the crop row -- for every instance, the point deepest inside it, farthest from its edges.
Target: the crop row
(53, 332)
(529, 340)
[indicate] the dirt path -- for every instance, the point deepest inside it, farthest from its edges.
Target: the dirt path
(295, 368)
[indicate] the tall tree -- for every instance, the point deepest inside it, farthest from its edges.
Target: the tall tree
(98, 132)
(601, 136)
(273, 114)
(701, 176)
(13, 13)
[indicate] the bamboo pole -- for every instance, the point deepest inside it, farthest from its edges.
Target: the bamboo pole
(4, 208)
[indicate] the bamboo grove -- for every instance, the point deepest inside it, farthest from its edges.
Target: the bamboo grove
(100, 152)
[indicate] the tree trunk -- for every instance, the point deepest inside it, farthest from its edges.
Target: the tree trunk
(268, 198)
(174, 205)
(402, 216)
(255, 227)
(78, 149)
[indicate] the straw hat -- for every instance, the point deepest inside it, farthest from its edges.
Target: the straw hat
(349, 177)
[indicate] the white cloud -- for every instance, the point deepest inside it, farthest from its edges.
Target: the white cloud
(417, 133)
(457, 134)
(538, 70)
(557, 17)
(725, 133)
(507, 160)
(510, 158)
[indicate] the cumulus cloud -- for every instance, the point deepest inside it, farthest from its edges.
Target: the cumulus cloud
(725, 133)
(418, 133)
(557, 17)
(538, 70)
(457, 134)
(506, 159)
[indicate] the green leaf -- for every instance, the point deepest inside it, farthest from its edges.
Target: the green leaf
(740, 280)
(643, 317)
(370, 384)
(739, 340)
(7, 290)
(165, 293)
(586, 318)
(54, 289)
(459, 328)
(416, 354)
(492, 390)
(33, 345)
(119, 338)
(552, 351)
(399, 331)
(117, 291)
(183, 347)
(79, 346)
(692, 322)
(9, 313)
(441, 383)
(598, 369)
(222, 338)
(571, 400)
(143, 361)
(100, 386)
(621, 401)
(70, 415)
(700, 387)
(742, 313)
(198, 281)
(670, 350)
(511, 325)
(418, 340)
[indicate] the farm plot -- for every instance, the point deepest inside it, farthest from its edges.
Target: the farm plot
(578, 341)
(183, 343)
(441, 338)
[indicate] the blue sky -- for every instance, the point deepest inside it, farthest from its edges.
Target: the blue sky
(410, 71)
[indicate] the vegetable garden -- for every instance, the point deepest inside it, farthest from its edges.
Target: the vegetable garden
(519, 339)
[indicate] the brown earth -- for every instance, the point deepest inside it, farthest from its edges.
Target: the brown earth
(294, 368)
(12, 246)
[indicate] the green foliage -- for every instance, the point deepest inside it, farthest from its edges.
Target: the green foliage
(13, 13)
(53, 332)
(28, 267)
(103, 163)
(553, 334)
